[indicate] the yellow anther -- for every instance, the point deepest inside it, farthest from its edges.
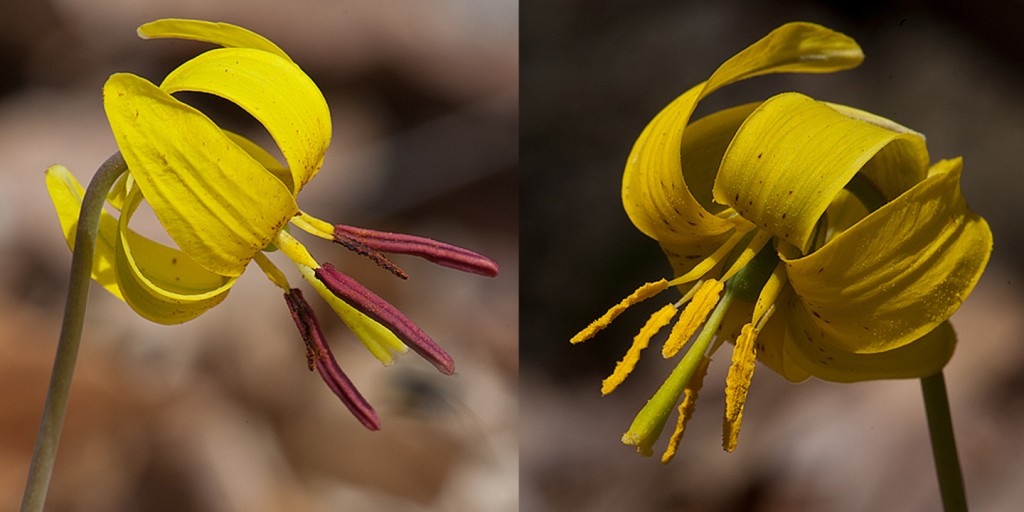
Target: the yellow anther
(646, 291)
(737, 383)
(693, 316)
(686, 409)
(659, 319)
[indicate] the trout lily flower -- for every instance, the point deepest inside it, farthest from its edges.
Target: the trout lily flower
(225, 201)
(817, 238)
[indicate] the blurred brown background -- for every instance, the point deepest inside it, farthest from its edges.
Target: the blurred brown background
(593, 74)
(221, 414)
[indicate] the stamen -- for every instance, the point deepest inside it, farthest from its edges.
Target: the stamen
(686, 408)
(650, 421)
(273, 273)
(693, 316)
(737, 383)
(716, 257)
(659, 319)
(319, 356)
(371, 305)
(760, 239)
(446, 255)
(645, 292)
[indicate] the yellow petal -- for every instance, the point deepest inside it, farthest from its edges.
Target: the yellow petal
(216, 202)
(922, 357)
(894, 276)
(654, 189)
(162, 284)
(879, 170)
(774, 351)
(273, 90)
(66, 194)
(793, 155)
(263, 157)
(222, 34)
(624, 367)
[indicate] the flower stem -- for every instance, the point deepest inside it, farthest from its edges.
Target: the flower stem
(940, 426)
(70, 334)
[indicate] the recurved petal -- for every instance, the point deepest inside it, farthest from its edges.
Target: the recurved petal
(654, 188)
(216, 202)
(922, 357)
(263, 157)
(793, 155)
(273, 90)
(162, 284)
(222, 34)
(66, 194)
(894, 276)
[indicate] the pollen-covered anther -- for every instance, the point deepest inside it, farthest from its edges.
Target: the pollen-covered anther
(319, 356)
(362, 249)
(371, 305)
(645, 292)
(737, 383)
(444, 254)
(659, 319)
(693, 316)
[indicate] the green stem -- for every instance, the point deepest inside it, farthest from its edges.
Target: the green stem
(940, 426)
(70, 334)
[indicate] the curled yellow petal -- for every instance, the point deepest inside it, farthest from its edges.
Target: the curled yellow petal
(222, 34)
(645, 292)
(892, 277)
(66, 194)
(693, 316)
(623, 368)
(162, 284)
(922, 357)
(691, 393)
(737, 383)
(655, 192)
(216, 202)
(793, 155)
(273, 90)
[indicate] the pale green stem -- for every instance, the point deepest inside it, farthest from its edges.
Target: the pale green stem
(940, 426)
(70, 335)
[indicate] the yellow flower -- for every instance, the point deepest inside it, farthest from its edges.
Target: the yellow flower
(224, 200)
(817, 237)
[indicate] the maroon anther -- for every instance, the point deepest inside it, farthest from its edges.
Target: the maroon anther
(319, 356)
(371, 305)
(443, 254)
(362, 249)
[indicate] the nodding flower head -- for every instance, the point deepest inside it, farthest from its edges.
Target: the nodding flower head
(225, 201)
(820, 239)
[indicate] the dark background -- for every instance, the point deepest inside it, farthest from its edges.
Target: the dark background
(593, 75)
